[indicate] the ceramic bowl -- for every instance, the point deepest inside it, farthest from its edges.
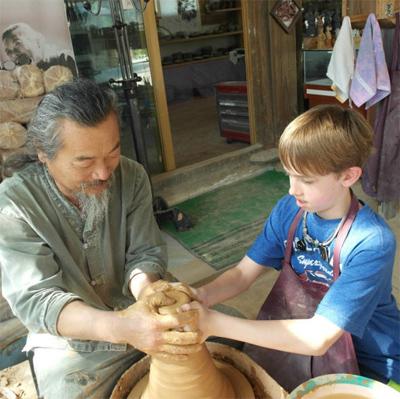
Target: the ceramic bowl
(343, 386)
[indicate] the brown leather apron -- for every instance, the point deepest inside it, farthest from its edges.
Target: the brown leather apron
(295, 298)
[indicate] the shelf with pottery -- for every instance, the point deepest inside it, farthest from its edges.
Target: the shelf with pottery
(178, 64)
(225, 10)
(358, 11)
(200, 37)
(358, 21)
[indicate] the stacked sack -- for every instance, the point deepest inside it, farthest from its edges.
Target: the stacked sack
(20, 92)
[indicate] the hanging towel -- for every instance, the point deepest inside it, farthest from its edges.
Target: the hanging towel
(380, 177)
(371, 82)
(341, 64)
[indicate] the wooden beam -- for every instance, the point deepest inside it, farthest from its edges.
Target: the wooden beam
(153, 49)
(249, 71)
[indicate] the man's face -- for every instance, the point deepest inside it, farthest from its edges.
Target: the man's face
(87, 158)
(16, 50)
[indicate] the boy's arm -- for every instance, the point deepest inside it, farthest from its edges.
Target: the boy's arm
(303, 336)
(231, 283)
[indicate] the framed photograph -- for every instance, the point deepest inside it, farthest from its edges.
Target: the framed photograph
(286, 13)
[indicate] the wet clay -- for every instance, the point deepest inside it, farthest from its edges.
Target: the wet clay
(198, 376)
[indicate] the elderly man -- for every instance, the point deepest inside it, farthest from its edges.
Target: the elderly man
(24, 45)
(78, 243)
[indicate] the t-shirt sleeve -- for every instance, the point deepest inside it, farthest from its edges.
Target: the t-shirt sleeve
(269, 247)
(364, 281)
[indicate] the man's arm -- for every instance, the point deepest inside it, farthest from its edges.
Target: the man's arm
(139, 325)
(76, 316)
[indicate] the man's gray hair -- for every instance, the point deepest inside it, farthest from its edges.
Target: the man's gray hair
(82, 101)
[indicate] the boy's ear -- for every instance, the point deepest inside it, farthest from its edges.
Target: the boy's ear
(351, 175)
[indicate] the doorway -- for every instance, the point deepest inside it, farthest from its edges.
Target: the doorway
(200, 48)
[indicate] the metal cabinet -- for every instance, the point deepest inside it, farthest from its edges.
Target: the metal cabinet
(232, 108)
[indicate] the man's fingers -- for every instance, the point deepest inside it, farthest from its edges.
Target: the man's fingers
(158, 299)
(180, 349)
(157, 286)
(186, 289)
(160, 285)
(180, 337)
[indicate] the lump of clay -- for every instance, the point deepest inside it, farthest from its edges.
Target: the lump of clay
(12, 135)
(30, 79)
(19, 110)
(9, 86)
(56, 76)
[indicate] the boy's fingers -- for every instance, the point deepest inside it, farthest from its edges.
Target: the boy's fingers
(194, 305)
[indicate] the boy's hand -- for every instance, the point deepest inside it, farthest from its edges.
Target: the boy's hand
(204, 318)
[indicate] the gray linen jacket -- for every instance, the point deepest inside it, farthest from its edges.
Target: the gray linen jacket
(49, 257)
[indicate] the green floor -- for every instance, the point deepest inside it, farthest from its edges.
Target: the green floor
(227, 220)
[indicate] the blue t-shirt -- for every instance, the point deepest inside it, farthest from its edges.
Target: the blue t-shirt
(360, 300)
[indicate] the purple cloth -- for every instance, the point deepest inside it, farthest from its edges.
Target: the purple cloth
(371, 82)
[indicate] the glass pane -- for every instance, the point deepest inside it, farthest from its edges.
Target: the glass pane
(97, 57)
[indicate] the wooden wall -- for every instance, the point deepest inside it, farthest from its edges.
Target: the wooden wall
(273, 71)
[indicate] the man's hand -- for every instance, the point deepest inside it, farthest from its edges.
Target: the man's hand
(162, 286)
(153, 333)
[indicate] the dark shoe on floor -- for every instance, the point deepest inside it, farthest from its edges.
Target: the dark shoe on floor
(181, 221)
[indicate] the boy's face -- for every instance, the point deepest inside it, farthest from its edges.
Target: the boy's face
(326, 195)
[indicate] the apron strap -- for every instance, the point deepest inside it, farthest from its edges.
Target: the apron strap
(351, 214)
(289, 242)
(343, 232)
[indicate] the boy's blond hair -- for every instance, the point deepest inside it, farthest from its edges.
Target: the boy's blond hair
(325, 139)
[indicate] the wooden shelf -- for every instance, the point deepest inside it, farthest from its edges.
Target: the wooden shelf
(358, 21)
(178, 64)
(225, 10)
(202, 37)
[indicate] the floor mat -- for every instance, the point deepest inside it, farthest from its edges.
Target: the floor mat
(227, 220)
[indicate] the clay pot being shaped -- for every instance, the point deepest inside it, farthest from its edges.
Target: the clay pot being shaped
(198, 376)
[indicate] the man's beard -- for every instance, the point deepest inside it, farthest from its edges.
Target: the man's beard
(93, 207)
